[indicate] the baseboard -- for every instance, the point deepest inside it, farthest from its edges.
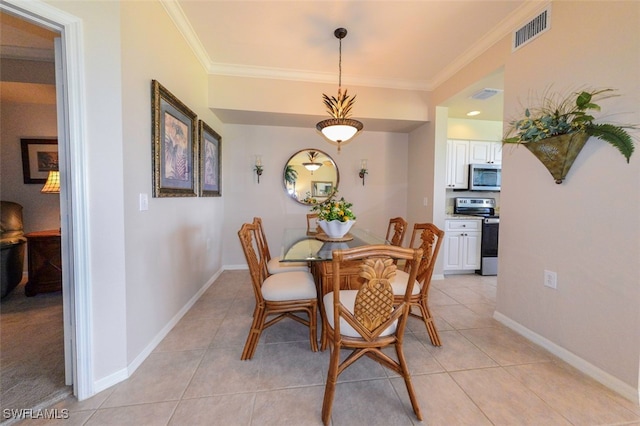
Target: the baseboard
(437, 277)
(110, 380)
(236, 267)
(125, 373)
(572, 359)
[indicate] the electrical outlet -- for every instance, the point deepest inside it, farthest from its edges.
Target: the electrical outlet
(550, 279)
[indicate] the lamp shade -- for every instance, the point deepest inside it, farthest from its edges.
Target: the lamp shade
(339, 129)
(312, 166)
(52, 186)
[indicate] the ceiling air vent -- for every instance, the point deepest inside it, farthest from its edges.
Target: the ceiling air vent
(485, 94)
(532, 29)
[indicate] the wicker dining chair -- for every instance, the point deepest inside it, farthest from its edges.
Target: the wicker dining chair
(283, 294)
(368, 320)
(396, 230)
(274, 264)
(427, 237)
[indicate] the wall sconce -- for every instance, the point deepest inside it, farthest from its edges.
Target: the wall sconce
(258, 169)
(363, 169)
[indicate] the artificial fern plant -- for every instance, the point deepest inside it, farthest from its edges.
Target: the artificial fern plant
(560, 115)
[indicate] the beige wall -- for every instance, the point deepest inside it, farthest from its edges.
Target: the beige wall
(383, 196)
(587, 228)
(31, 121)
(174, 248)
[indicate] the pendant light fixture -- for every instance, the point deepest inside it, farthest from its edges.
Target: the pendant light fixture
(312, 165)
(340, 129)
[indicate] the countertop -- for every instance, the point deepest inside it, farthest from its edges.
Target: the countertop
(461, 217)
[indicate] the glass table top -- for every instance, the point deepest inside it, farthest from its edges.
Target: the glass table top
(297, 246)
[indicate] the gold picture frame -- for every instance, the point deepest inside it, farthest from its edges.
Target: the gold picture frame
(210, 155)
(174, 140)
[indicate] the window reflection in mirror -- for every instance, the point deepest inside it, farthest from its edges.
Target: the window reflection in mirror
(310, 175)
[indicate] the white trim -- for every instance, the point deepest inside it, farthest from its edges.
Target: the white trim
(77, 231)
(572, 359)
(240, 267)
(178, 17)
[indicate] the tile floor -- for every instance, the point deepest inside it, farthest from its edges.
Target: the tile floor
(484, 374)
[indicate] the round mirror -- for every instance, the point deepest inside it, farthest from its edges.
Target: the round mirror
(310, 175)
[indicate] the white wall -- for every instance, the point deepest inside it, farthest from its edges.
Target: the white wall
(587, 228)
(383, 196)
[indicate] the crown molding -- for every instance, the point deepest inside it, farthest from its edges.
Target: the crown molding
(505, 27)
(178, 17)
(234, 70)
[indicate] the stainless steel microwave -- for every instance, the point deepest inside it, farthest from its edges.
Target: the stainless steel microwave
(485, 177)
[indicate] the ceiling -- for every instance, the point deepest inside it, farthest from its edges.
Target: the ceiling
(414, 45)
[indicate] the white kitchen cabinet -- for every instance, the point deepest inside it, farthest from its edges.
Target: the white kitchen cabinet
(462, 244)
(457, 164)
(485, 152)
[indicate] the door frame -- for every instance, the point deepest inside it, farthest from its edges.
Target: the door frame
(74, 210)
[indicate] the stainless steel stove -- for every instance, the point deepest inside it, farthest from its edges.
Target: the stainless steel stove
(486, 208)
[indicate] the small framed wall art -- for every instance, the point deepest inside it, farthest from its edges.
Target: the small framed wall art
(39, 157)
(210, 151)
(174, 134)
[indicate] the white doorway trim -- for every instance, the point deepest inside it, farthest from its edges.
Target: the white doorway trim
(77, 300)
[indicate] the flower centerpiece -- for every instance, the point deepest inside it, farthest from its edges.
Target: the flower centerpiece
(335, 217)
(556, 130)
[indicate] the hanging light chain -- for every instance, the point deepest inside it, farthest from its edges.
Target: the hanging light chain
(340, 67)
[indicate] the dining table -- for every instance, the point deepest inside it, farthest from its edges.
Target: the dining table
(300, 245)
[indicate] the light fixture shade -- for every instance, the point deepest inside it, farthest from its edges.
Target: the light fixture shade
(339, 129)
(312, 167)
(52, 186)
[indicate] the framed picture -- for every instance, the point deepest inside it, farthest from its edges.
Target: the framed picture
(321, 189)
(210, 151)
(175, 135)
(39, 157)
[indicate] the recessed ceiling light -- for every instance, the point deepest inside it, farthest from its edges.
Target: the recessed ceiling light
(472, 113)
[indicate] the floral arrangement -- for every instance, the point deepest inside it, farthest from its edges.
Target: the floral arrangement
(334, 210)
(566, 114)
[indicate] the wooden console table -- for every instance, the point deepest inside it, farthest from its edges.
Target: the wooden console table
(45, 262)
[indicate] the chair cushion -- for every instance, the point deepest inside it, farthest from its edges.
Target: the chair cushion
(348, 299)
(295, 285)
(399, 284)
(274, 266)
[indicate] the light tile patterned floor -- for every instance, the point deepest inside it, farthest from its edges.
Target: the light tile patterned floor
(484, 374)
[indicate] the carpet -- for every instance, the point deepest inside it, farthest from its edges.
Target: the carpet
(31, 351)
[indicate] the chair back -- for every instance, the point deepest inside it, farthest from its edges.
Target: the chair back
(427, 237)
(249, 239)
(396, 230)
(262, 245)
(374, 313)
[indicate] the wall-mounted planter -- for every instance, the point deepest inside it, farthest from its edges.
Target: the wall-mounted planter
(558, 153)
